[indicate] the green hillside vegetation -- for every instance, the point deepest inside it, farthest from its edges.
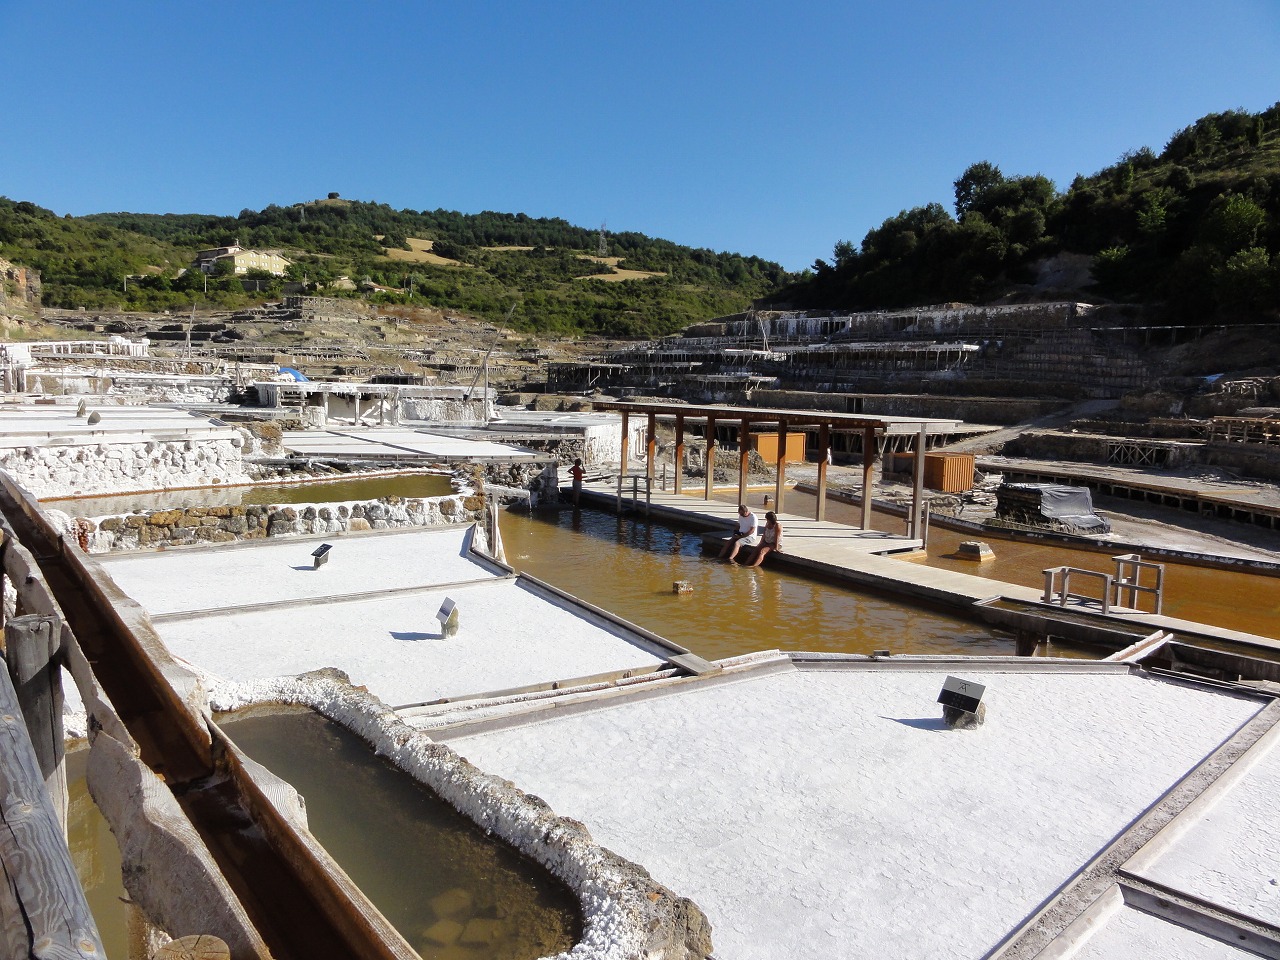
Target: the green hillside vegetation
(136, 261)
(1195, 228)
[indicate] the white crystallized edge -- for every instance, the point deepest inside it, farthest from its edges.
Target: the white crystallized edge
(627, 915)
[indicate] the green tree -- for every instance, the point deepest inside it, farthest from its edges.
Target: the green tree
(977, 180)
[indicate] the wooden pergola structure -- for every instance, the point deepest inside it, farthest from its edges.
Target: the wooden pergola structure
(783, 421)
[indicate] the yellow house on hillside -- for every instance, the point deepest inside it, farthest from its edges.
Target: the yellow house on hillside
(243, 260)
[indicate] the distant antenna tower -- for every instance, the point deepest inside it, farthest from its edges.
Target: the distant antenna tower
(602, 245)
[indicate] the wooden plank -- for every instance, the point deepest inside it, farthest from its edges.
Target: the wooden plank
(32, 646)
(33, 851)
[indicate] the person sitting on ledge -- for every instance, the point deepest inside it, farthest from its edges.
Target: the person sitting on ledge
(770, 539)
(744, 536)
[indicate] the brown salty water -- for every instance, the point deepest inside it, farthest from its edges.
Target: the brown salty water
(1235, 598)
(315, 491)
(627, 565)
(451, 890)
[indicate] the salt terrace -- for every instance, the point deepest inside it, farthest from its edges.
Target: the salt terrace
(254, 612)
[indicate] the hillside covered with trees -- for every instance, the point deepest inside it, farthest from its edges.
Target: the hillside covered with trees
(542, 267)
(1194, 228)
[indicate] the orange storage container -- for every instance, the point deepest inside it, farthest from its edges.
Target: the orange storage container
(949, 472)
(766, 444)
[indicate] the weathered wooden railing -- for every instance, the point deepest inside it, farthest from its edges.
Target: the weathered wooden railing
(165, 778)
(43, 912)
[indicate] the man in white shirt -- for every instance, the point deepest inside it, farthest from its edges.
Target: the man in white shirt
(744, 536)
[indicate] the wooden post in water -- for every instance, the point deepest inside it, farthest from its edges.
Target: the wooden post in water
(868, 470)
(780, 487)
(917, 485)
(824, 445)
(711, 458)
(651, 448)
(679, 450)
(744, 442)
(32, 645)
(626, 452)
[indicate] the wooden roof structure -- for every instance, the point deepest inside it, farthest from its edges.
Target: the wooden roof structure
(783, 420)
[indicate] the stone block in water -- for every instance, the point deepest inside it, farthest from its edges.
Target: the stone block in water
(452, 903)
(975, 550)
(443, 933)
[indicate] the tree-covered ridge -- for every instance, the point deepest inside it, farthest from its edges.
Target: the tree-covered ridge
(1196, 227)
(136, 262)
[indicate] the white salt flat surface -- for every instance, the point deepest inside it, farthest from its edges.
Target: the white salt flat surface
(1131, 934)
(395, 441)
(830, 814)
(508, 637)
(1231, 856)
(173, 581)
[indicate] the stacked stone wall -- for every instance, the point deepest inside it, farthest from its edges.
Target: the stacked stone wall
(194, 525)
(72, 470)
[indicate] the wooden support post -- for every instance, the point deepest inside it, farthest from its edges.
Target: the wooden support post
(824, 446)
(32, 645)
(679, 451)
(626, 444)
(744, 443)
(711, 458)
(626, 452)
(651, 447)
(780, 488)
(917, 485)
(868, 478)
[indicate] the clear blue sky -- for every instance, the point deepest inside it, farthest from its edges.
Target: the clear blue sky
(773, 129)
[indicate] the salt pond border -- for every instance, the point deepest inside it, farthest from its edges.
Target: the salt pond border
(627, 915)
(228, 524)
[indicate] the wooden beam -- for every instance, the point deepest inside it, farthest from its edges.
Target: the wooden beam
(679, 451)
(42, 906)
(711, 458)
(32, 644)
(868, 474)
(780, 489)
(824, 448)
(917, 485)
(744, 443)
(626, 443)
(651, 447)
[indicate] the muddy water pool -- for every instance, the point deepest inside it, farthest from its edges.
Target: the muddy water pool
(627, 565)
(448, 888)
(318, 491)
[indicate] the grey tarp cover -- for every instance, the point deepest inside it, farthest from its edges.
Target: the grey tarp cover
(1069, 505)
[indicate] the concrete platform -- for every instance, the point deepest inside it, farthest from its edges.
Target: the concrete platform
(823, 809)
(277, 571)
(399, 444)
(255, 611)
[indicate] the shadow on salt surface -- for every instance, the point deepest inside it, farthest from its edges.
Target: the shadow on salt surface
(409, 635)
(921, 723)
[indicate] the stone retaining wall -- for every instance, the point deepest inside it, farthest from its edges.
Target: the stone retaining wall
(226, 524)
(109, 466)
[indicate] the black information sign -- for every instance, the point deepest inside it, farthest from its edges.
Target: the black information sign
(961, 694)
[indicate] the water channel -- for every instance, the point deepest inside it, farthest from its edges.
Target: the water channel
(627, 565)
(451, 890)
(1236, 599)
(312, 491)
